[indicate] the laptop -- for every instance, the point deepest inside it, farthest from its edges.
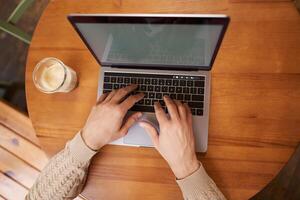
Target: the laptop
(164, 54)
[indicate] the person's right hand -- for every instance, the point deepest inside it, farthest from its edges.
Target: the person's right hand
(175, 142)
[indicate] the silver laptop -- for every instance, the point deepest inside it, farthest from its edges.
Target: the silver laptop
(164, 54)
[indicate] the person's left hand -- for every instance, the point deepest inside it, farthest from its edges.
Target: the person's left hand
(105, 123)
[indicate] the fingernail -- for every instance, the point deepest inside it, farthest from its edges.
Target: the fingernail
(142, 125)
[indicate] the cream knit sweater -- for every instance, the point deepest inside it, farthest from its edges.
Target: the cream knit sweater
(65, 175)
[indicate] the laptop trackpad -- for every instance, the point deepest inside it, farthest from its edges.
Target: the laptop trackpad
(137, 135)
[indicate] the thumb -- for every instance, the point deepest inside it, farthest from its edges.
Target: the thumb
(130, 122)
(151, 132)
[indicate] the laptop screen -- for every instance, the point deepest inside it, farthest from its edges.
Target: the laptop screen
(152, 41)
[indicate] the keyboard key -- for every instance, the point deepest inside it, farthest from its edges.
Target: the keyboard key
(173, 96)
(157, 89)
(151, 95)
(154, 81)
(161, 82)
(193, 90)
(182, 83)
(200, 90)
(147, 81)
(146, 94)
(122, 85)
(179, 97)
(186, 90)
(169, 82)
(187, 97)
(194, 104)
(127, 80)
(120, 80)
(133, 81)
(107, 86)
(116, 86)
(150, 88)
(199, 112)
(197, 97)
(106, 79)
(171, 89)
(147, 101)
(158, 95)
(199, 83)
(140, 81)
(178, 89)
(113, 79)
(164, 89)
(106, 91)
(143, 88)
(142, 108)
(193, 111)
(175, 82)
(189, 83)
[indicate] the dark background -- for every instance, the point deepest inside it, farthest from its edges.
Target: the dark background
(13, 52)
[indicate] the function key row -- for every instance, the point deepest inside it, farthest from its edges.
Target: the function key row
(165, 76)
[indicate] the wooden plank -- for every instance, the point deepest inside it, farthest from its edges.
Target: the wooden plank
(18, 122)
(18, 146)
(9, 189)
(17, 169)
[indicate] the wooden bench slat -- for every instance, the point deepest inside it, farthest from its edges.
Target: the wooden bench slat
(17, 169)
(22, 148)
(18, 122)
(10, 189)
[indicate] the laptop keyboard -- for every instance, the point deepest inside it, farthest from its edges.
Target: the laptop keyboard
(189, 89)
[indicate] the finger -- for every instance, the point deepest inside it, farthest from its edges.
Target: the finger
(181, 109)
(160, 113)
(151, 132)
(129, 123)
(189, 115)
(131, 100)
(121, 93)
(110, 96)
(101, 98)
(172, 108)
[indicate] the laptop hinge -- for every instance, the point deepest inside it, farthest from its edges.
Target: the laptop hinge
(158, 68)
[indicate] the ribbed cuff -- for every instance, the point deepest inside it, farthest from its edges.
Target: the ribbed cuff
(195, 184)
(79, 149)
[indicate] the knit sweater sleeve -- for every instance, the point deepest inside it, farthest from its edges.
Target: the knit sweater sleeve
(199, 186)
(64, 176)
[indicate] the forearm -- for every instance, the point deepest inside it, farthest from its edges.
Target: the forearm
(65, 174)
(200, 186)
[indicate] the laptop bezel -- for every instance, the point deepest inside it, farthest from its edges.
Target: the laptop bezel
(140, 18)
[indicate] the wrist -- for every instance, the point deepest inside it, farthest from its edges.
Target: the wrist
(185, 169)
(90, 141)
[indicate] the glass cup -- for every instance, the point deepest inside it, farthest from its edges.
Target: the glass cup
(51, 75)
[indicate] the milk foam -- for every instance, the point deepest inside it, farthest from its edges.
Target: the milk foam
(52, 77)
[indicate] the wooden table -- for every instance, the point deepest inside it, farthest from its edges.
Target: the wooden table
(255, 109)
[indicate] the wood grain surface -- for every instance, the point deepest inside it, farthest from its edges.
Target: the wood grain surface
(21, 160)
(255, 109)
